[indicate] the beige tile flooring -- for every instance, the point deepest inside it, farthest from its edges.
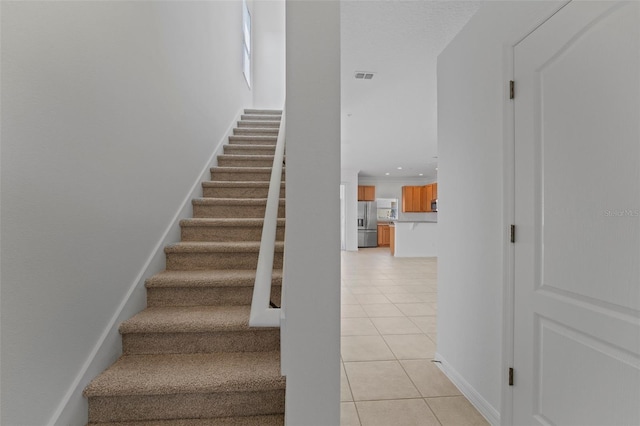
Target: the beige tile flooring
(388, 344)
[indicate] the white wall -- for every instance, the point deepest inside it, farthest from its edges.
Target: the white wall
(110, 111)
(416, 239)
(350, 179)
(474, 172)
(268, 20)
(311, 345)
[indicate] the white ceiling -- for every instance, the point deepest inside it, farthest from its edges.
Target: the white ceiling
(390, 120)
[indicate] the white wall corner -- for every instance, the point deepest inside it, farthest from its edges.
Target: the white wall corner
(490, 413)
(349, 177)
(73, 408)
(312, 265)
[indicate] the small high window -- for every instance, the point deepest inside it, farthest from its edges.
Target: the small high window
(246, 42)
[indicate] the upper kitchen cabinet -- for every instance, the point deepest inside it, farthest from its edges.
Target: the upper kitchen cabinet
(412, 199)
(427, 197)
(366, 193)
(417, 199)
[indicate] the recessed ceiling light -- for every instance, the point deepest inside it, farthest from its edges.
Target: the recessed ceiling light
(399, 168)
(387, 173)
(436, 169)
(420, 174)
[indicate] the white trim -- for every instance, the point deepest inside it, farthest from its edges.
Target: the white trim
(104, 352)
(508, 173)
(490, 413)
(508, 289)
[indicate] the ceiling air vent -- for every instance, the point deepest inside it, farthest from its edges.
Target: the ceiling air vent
(364, 75)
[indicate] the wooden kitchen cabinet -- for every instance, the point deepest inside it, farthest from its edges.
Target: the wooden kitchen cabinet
(417, 199)
(428, 196)
(383, 235)
(392, 239)
(412, 199)
(366, 193)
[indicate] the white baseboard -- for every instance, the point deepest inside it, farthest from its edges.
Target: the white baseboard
(487, 410)
(73, 409)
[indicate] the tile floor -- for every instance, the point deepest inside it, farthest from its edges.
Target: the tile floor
(388, 343)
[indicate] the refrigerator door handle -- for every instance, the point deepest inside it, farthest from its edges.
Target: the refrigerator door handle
(366, 216)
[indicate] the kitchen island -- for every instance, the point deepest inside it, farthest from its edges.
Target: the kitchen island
(415, 238)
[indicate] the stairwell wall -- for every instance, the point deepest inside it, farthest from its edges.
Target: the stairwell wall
(110, 112)
(269, 54)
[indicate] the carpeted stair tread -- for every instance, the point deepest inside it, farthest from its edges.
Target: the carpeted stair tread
(169, 374)
(256, 116)
(208, 278)
(248, 139)
(188, 319)
(272, 420)
(245, 160)
(249, 149)
(231, 201)
(236, 184)
(246, 156)
(238, 189)
(218, 247)
(230, 169)
(224, 222)
(255, 121)
(265, 131)
(240, 147)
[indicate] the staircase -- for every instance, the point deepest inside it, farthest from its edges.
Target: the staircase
(190, 358)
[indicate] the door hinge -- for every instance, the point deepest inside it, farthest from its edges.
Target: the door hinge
(513, 233)
(510, 376)
(512, 89)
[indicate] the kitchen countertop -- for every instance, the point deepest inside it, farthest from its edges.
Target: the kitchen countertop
(415, 221)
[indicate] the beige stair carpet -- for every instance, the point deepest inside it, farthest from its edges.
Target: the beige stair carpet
(191, 358)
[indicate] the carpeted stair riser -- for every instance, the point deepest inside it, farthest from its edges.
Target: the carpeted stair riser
(265, 131)
(245, 160)
(206, 288)
(186, 261)
(185, 405)
(268, 117)
(216, 230)
(263, 111)
(252, 122)
(252, 140)
(198, 256)
(249, 149)
(208, 296)
(242, 174)
(223, 189)
(196, 329)
(270, 420)
(171, 343)
(230, 208)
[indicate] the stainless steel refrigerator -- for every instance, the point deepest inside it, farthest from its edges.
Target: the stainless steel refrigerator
(367, 224)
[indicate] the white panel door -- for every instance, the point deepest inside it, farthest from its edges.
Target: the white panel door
(577, 251)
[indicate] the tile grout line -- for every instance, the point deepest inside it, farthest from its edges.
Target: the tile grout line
(397, 282)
